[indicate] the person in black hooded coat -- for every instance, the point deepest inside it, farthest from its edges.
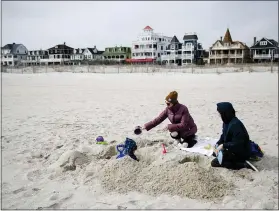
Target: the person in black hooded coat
(234, 141)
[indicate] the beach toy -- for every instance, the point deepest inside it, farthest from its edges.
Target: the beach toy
(100, 139)
(102, 142)
(220, 157)
(138, 130)
(121, 149)
(208, 147)
(164, 149)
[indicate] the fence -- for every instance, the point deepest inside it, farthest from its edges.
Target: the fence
(105, 69)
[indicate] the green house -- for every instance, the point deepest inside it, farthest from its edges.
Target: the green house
(117, 53)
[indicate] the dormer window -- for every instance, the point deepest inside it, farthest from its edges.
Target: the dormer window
(263, 43)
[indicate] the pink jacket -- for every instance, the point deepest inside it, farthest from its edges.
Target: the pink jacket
(180, 118)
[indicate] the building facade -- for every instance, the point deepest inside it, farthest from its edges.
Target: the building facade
(13, 54)
(86, 55)
(119, 54)
(149, 46)
(187, 52)
(59, 54)
(34, 57)
(264, 50)
(226, 51)
(77, 55)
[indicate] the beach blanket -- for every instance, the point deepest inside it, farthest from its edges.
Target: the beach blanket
(204, 146)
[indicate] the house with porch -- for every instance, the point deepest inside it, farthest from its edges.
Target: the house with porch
(149, 46)
(93, 54)
(59, 54)
(77, 56)
(83, 55)
(226, 51)
(13, 54)
(34, 57)
(119, 54)
(264, 50)
(185, 53)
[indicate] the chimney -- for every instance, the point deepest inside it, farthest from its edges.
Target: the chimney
(255, 40)
(64, 43)
(94, 46)
(221, 38)
(13, 43)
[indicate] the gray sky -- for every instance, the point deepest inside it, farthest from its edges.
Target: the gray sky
(104, 24)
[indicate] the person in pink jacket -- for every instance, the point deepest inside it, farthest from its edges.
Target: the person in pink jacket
(182, 128)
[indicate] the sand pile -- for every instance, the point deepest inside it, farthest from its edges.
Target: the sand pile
(185, 180)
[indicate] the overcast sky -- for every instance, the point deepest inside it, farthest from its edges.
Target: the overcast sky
(85, 24)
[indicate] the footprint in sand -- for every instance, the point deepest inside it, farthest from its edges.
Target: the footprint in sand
(58, 204)
(34, 175)
(19, 190)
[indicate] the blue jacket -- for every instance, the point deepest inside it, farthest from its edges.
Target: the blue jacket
(235, 137)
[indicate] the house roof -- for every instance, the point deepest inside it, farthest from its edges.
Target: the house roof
(272, 43)
(60, 46)
(227, 37)
(174, 40)
(190, 37)
(97, 53)
(147, 28)
(12, 47)
(242, 45)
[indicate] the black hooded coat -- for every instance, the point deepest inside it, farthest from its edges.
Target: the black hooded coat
(235, 138)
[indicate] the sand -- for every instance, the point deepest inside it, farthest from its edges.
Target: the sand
(50, 159)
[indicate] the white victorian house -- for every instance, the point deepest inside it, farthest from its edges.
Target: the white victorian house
(149, 46)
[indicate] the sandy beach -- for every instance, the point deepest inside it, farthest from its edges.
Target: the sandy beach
(50, 122)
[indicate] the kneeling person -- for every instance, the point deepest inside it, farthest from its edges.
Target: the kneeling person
(234, 141)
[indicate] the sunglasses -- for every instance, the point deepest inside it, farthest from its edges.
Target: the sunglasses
(167, 103)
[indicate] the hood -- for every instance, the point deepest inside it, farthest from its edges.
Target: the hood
(226, 111)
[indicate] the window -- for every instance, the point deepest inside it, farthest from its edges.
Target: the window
(162, 47)
(263, 43)
(172, 47)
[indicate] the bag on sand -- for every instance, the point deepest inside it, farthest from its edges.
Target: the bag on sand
(256, 152)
